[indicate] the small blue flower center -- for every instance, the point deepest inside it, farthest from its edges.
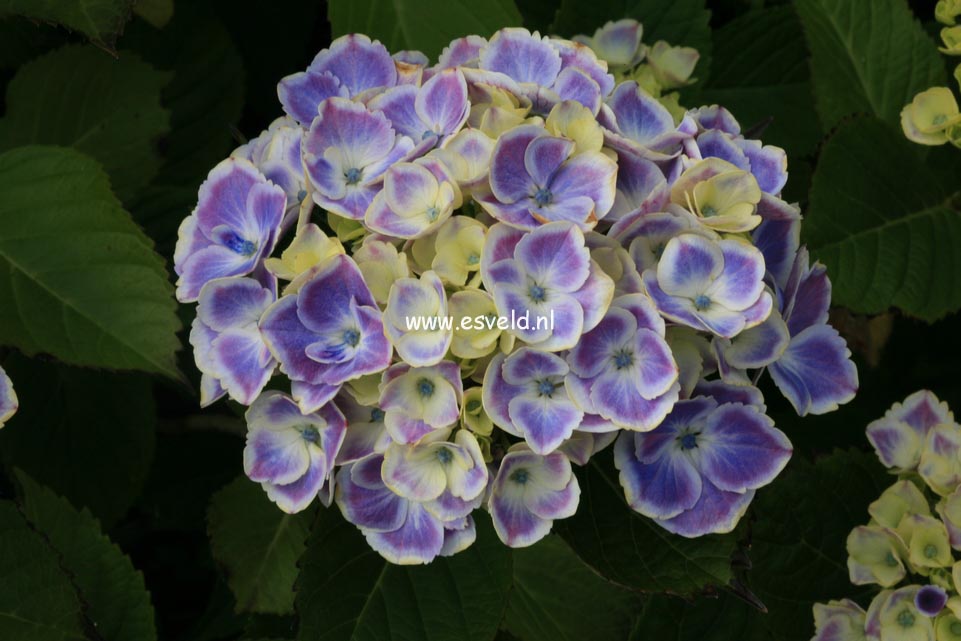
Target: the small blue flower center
(537, 293)
(352, 337)
(930, 551)
(427, 134)
(890, 561)
(905, 618)
(688, 441)
(310, 434)
(444, 455)
(473, 259)
(301, 194)
(425, 388)
(702, 302)
(352, 175)
(432, 214)
(376, 415)
(543, 197)
(235, 243)
(546, 387)
(939, 119)
(520, 476)
(623, 359)
(708, 211)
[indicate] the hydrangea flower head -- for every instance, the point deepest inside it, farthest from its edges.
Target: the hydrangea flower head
(899, 436)
(476, 272)
(233, 228)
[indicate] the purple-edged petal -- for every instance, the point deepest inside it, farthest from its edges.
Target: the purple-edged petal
(768, 164)
(689, 264)
(509, 178)
(301, 94)
(243, 362)
(554, 255)
(638, 115)
(816, 373)
(297, 496)
(590, 175)
(716, 512)
(419, 540)
(514, 52)
(740, 449)
(231, 303)
(365, 501)
(575, 84)
(359, 63)
(442, 102)
(8, 398)
(740, 283)
(615, 397)
(661, 489)
(546, 422)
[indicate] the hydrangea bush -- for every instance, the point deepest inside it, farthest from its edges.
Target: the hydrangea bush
(909, 546)
(516, 177)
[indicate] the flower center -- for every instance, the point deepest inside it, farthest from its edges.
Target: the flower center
(520, 476)
(444, 455)
(433, 213)
(537, 293)
(623, 359)
(546, 388)
(301, 194)
(427, 134)
(543, 197)
(905, 619)
(473, 259)
(473, 406)
(688, 441)
(352, 337)
(890, 561)
(310, 434)
(702, 302)
(930, 551)
(708, 211)
(939, 119)
(352, 175)
(376, 415)
(239, 245)
(425, 387)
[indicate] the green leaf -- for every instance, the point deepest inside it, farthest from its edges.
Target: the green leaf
(117, 599)
(80, 97)
(100, 20)
(870, 57)
(759, 71)
(156, 12)
(886, 225)
(632, 550)
(258, 546)
(348, 591)
(78, 279)
(680, 22)
(426, 25)
(540, 609)
(797, 552)
(89, 436)
(205, 97)
(37, 600)
(798, 544)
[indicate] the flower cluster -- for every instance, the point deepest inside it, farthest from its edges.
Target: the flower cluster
(519, 177)
(933, 117)
(912, 536)
(8, 398)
